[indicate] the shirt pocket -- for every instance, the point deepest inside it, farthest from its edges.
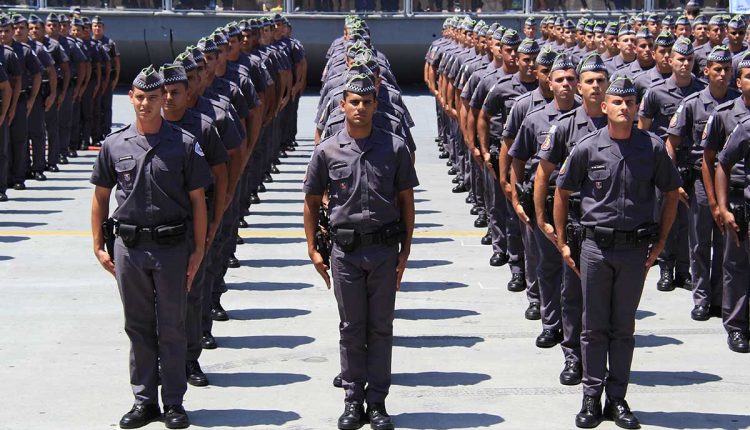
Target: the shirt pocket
(125, 174)
(342, 182)
(383, 179)
(641, 171)
(166, 166)
(601, 182)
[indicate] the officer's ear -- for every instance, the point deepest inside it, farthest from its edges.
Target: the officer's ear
(604, 106)
(342, 102)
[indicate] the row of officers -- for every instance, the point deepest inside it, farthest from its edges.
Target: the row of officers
(589, 162)
(56, 80)
(209, 130)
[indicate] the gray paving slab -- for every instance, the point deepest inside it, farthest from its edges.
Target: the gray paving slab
(464, 356)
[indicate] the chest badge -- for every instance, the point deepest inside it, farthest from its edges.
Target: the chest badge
(598, 185)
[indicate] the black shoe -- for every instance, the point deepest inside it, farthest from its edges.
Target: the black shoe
(682, 280)
(737, 342)
(715, 311)
(337, 382)
(3, 197)
(532, 312)
(19, 186)
(487, 239)
(175, 417)
(63, 159)
(261, 188)
(452, 171)
(283, 154)
(84, 147)
(455, 180)
(548, 338)
(52, 168)
(267, 178)
(243, 223)
(571, 373)
(449, 163)
(72, 154)
(254, 199)
(475, 210)
(618, 411)
(218, 313)
(233, 262)
(498, 259)
(517, 284)
(590, 415)
(353, 416)
(470, 199)
(275, 170)
(665, 280)
(460, 188)
(239, 240)
(481, 221)
(195, 375)
(139, 416)
(276, 161)
(208, 341)
(443, 155)
(39, 176)
(29, 175)
(378, 417)
(700, 313)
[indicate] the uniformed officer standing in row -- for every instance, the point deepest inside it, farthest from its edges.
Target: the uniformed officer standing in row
(160, 224)
(109, 45)
(616, 170)
(366, 262)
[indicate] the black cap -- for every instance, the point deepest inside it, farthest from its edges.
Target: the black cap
(34, 19)
(232, 30)
(4, 20)
(700, 20)
(720, 54)
(77, 22)
(366, 58)
(625, 30)
(197, 54)
(682, 20)
(717, 20)
(530, 21)
(173, 73)
(562, 62)
(643, 33)
(665, 38)
(86, 21)
(546, 57)
(97, 20)
(52, 17)
(745, 62)
(187, 61)
(611, 29)
(683, 46)
(360, 84)
(510, 38)
(219, 39)
(207, 45)
(17, 18)
(529, 46)
(63, 18)
(621, 86)
(592, 63)
(148, 80)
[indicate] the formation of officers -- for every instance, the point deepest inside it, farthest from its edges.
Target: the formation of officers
(210, 128)
(361, 176)
(56, 80)
(591, 152)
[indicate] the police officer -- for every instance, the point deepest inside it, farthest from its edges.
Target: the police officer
(644, 56)
(616, 170)
(366, 263)
(110, 46)
(657, 108)
(564, 134)
(11, 68)
(734, 268)
(700, 31)
(704, 236)
(715, 32)
(534, 135)
(610, 41)
(662, 68)
(70, 111)
(626, 48)
(160, 224)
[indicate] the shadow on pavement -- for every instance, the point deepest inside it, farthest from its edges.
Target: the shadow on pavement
(640, 315)
(295, 201)
(241, 417)
(423, 264)
(13, 239)
(261, 342)
(432, 314)
(53, 188)
(255, 380)
(274, 240)
(6, 257)
(425, 286)
(694, 420)
(270, 286)
(21, 224)
(63, 179)
(266, 314)
(421, 200)
(436, 341)
(277, 213)
(28, 212)
(273, 225)
(652, 340)
(438, 379)
(444, 420)
(274, 262)
(41, 199)
(427, 225)
(285, 190)
(427, 212)
(648, 378)
(417, 240)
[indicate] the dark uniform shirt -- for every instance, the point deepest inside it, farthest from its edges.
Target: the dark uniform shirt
(11, 63)
(737, 150)
(520, 109)
(154, 174)
(660, 102)
(644, 81)
(363, 178)
(500, 100)
(206, 135)
(58, 54)
(380, 119)
(229, 89)
(718, 127)
(618, 179)
(30, 64)
(569, 128)
(230, 132)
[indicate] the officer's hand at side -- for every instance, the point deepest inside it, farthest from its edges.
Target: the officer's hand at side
(731, 225)
(29, 106)
(105, 260)
(321, 267)
(11, 115)
(506, 190)
(548, 231)
(194, 263)
(568, 258)
(684, 198)
(477, 154)
(522, 215)
(653, 254)
(60, 100)
(403, 257)
(716, 214)
(48, 102)
(211, 234)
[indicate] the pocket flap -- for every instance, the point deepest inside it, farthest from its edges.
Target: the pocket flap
(339, 173)
(125, 165)
(599, 175)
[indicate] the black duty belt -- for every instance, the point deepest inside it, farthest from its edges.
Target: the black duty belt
(349, 239)
(166, 234)
(607, 237)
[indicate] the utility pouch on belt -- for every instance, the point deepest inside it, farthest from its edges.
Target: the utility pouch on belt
(739, 210)
(170, 234)
(108, 232)
(346, 239)
(129, 234)
(604, 236)
(393, 234)
(647, 234)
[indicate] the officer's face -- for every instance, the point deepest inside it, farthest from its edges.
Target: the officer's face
(589, 40)
(210, 61)
(620, 110)
(359, 109)
(716, 34)
(221, 56)
(735, 36)
(743, 82)
(580, 36)
(36, 31)
(592, 86)
(542, 74)
(529, 31)
(509, 55)
(563, 84)
(718, 73)
(637, 25)
(147, 104)
(497, 49)
(612, 44)
(234, 46)
(599, 41)
(76, 31)
(683, 31)
(700, 33)
(6, 35)
(653, 27)
(175, 97)
(194, 80)
(527, 65)
(682, 65)
(644, 48)
(98, 29)
(53, 29)
(20, 32)
(626, 44)
(64, 28)
(569, 36)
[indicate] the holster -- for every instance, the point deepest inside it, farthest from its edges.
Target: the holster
(526, 200)
(323, 236)
(495, 160)
(549, 205)
(689, 176)
(740, 212)
(647, 234)
(108, 232)
(574, 235)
